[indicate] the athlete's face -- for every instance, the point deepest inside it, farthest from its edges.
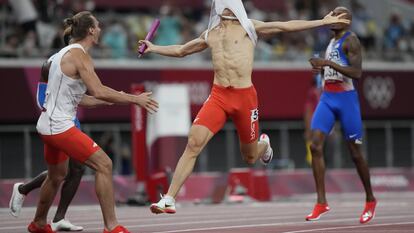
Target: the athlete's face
(339, 26)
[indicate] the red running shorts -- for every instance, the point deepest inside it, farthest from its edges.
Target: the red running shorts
(238, 104)
(71, 143)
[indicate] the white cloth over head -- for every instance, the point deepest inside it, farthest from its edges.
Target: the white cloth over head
(236, 6)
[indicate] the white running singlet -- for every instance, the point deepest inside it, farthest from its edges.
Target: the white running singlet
(63, 95)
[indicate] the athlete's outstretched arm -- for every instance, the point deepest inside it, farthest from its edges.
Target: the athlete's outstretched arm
(84, 66)
(194, 46)
(91, 102)
(352, 48)
(266, 28)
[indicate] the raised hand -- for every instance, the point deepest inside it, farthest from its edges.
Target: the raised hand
(148, 44)
(144, 100)
(331, 19)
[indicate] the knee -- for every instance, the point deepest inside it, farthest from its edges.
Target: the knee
(194, 145)
(105, 165)
(57, 178)
(356, 156)
(316, 149)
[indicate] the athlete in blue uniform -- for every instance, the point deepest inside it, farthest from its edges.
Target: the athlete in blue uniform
(341, 68)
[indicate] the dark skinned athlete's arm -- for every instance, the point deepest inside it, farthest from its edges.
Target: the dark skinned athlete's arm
(352, 48)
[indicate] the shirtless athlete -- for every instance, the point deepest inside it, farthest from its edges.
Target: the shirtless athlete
(232, 38)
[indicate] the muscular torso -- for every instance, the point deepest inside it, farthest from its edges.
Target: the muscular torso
(232, 55)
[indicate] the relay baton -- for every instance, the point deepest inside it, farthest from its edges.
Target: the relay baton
(149, 36)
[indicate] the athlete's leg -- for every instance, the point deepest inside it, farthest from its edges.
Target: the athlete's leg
(69, 188)
(252, 151)
(350, 117)
(246, 120)
(351, 121)
(35, 183)
(363, 171)
(208, 121)
(318, 164)
(198, 138)
(102, 164)
(20, 190)
(318, 169)
(362, 168)
(322, 122)
(56, 175)
(89, 153)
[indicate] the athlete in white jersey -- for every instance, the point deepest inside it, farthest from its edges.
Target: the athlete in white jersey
(63, 95)
(72, 74)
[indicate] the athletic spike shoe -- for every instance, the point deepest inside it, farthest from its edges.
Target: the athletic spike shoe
(33, 228)
(165, 205)
(118, 229)
(318, 211)
(369, 212)
(268, 155)
(16, 201)
(65, 225)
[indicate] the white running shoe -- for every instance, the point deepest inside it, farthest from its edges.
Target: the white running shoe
(65, 225)
(16, 201)
(268, 155)
(165, 205)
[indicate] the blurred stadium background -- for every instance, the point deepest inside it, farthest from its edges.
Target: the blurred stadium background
(30, 30)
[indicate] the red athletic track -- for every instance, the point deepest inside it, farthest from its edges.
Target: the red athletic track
(395, 213)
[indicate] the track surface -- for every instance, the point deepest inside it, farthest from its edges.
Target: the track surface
(395, 213)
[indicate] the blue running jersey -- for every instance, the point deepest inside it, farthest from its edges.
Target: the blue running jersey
(41, 95)
(335, 53)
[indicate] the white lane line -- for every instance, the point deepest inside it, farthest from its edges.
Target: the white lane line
(123, 221)
(350, 227)
(254, 225)
(217, 221)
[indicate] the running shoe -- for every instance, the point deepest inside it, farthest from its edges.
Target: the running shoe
(16, 201)
(117, 229)
(369, 212)
(165, 205)
(318, 211)
(33, 228)
(268, 155)
(65, 225)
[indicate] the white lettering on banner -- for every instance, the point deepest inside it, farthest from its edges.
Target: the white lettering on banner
(389, 181)
(379, 91)
(253, 118)
(198, 90)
